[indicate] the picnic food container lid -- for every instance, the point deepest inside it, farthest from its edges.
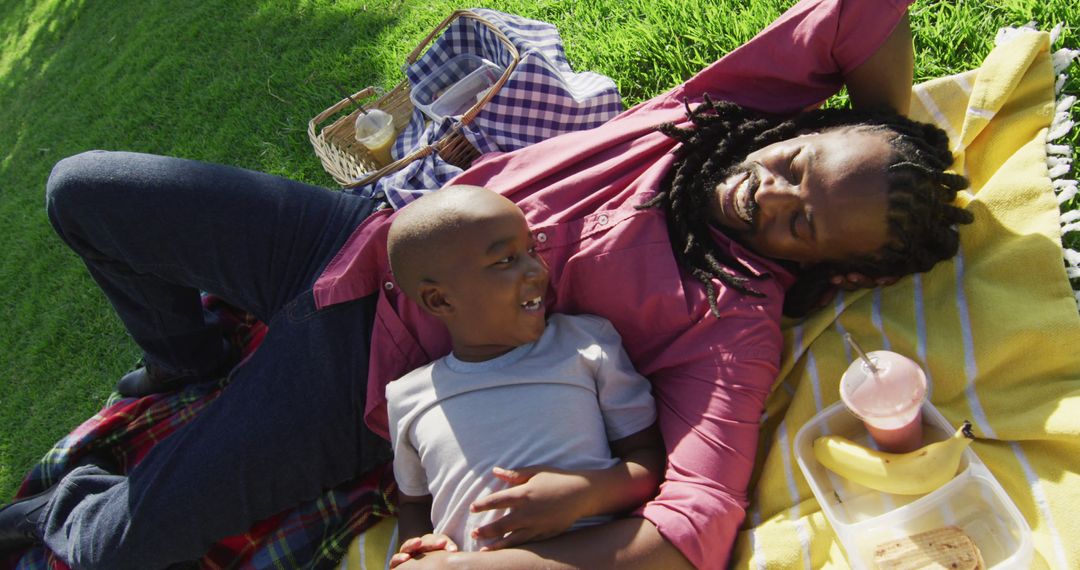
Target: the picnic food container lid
(455, 87)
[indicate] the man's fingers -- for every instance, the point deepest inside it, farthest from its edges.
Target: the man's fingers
(826, 297)
(399, 558)
(855, 281)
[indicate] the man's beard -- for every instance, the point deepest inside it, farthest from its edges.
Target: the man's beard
(753, 182)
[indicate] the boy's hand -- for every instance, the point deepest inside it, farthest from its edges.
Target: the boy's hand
(415, 547)
(543, 502)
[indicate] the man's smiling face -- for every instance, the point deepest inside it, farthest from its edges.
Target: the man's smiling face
(810, 199)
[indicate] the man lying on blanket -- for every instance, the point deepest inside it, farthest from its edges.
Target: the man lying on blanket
(688, 253)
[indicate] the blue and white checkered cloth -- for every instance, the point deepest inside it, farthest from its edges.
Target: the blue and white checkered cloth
(543, 97)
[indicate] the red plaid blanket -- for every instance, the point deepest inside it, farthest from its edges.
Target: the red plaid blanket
(312, 536)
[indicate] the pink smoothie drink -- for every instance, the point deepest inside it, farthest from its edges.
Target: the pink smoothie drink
(888, 398)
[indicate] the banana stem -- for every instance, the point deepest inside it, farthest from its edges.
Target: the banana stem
(966, 430)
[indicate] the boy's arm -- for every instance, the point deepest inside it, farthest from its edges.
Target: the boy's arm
(545, 501)
(414, 516)
(630, 543)
(415, 533)
(635, 479)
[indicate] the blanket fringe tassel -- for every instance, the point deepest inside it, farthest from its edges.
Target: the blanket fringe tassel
(1059, 156)
(1059, 152)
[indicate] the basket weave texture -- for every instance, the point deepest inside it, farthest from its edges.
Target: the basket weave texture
(351, 164)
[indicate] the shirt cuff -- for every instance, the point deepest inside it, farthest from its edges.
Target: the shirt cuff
(701, 525)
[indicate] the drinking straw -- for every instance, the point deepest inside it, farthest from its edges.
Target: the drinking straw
(851, 340)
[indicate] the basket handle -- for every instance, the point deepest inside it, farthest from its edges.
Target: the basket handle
(394, 166)
(415, 55)
(510, 47)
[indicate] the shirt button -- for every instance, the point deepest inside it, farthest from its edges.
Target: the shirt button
(388, 285)
(602, 220)
(541, 237)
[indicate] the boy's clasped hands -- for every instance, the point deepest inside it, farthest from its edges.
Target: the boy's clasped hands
(543, 502)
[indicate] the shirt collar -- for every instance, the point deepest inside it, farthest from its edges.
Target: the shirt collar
(757, 264)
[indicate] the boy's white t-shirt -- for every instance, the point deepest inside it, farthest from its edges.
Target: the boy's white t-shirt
(555, 402)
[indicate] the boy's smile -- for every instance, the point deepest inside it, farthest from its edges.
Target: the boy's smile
(495, 282)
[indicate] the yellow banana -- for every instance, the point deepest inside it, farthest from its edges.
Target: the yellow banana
(912, 473)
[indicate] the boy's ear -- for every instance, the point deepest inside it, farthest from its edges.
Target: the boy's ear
(433, 299)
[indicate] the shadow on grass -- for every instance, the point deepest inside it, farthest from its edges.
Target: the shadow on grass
(221, 81)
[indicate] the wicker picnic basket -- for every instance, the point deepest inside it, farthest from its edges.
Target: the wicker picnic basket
(351, 164)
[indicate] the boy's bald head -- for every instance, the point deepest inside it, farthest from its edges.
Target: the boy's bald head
(423, 231)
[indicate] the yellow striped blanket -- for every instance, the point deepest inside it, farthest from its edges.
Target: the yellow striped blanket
(997, 329)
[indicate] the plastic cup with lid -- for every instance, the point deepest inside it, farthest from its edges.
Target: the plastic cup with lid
(375, 130)
(888, 398)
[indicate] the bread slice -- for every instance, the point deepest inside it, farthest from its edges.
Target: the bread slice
(946, 548)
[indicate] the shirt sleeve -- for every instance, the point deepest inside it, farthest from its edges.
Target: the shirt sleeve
(408, 471)
(625, 396)
(800, 59)
(709, 415)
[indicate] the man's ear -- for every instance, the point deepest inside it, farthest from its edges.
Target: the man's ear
(433, 299)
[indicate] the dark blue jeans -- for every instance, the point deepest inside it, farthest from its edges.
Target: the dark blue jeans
(154, 231)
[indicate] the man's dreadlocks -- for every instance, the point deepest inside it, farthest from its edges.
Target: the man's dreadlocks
(921, 218)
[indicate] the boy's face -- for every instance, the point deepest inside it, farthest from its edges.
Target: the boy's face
(494, 284)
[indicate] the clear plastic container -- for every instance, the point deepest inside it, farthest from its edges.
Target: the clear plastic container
(864, 518)
(455, 87)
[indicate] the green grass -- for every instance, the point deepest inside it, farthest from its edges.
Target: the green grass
(236, 82)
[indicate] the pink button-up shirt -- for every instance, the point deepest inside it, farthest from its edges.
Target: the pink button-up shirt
(710, 375)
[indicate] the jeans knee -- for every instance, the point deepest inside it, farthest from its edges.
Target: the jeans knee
(68, 180)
